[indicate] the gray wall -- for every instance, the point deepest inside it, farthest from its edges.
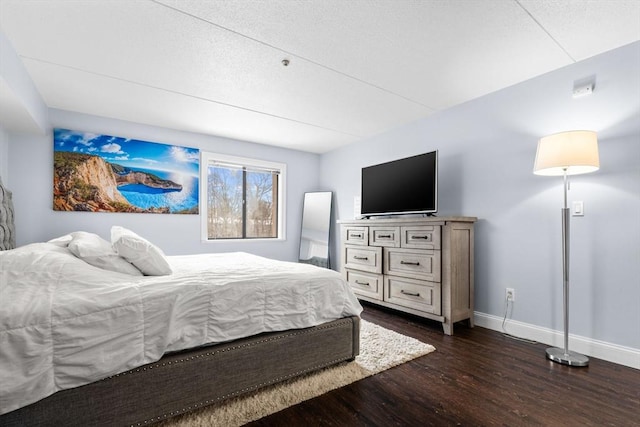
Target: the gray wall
(31, 171)
(486, 153)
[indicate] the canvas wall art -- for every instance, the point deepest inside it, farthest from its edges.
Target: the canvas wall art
(103, 173)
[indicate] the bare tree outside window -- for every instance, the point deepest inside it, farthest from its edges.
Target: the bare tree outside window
(224, 203)
(261, 215)
(242, 203)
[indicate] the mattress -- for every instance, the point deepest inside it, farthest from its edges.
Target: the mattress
(65, 323)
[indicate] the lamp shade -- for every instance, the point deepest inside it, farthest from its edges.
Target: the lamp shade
(573, 152)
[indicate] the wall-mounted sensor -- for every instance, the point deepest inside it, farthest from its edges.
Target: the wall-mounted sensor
(584, 87)
(583, 91)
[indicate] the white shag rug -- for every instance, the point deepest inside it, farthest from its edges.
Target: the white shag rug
(380, 349)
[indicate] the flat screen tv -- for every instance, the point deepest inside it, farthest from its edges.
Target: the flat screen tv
(404, 186)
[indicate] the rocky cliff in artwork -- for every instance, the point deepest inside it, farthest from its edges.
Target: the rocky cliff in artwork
(83, 182)
(128, 176)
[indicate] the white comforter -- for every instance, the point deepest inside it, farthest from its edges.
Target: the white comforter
(64, 323)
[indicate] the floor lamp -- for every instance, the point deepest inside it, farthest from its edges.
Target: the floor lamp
(563, 154)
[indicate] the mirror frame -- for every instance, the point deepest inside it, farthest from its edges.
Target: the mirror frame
(315, 260)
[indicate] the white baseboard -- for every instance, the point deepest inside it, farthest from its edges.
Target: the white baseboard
(626, 356)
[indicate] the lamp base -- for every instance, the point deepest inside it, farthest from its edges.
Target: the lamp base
(571, 358)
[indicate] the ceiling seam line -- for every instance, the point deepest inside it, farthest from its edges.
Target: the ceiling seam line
(545, 30)
(193, 96)
(297, 56)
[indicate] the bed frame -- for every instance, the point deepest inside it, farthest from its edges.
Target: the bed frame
(184, 381)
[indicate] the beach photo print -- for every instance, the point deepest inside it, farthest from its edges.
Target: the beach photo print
(102, 173)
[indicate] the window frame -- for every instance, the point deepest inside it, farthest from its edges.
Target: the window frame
(209, 157)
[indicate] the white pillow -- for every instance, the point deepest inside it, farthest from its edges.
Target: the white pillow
(62, 241)
(98, 252)
(140, 252)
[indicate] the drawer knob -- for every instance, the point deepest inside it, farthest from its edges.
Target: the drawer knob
(384, 236)
(361, 258)
(362, 283)
(358, 236)
(420, 237)
(413, 294)
(409, 263)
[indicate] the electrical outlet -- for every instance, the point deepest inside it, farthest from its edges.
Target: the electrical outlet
(510, 294)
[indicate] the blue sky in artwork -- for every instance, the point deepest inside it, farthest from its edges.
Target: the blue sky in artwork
(129, 152)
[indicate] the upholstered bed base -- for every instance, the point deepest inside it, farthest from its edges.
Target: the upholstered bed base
(7, 226)
(182, 382)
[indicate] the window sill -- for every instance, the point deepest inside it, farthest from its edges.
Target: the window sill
(243, 240)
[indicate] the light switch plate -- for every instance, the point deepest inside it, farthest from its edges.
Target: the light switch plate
(577, 208)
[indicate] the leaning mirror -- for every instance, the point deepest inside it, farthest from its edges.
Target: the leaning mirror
(316, 222)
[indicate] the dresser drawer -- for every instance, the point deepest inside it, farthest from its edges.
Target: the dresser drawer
(417, 294)
(417, 264)
(355, 235)
(384, 236)
(366, 284)
(363, 258)
(420, 237)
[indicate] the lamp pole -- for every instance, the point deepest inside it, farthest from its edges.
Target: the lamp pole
(565, 263)
(558, 355)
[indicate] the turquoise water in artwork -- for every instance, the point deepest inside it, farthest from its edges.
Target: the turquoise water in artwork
(177, 200)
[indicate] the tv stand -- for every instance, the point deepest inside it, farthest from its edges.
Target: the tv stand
(422, 266)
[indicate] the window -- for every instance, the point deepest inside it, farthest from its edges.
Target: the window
(241, 198)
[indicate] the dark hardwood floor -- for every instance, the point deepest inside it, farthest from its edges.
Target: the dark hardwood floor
(476, 378)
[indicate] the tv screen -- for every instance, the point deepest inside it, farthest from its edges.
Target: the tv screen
(402, 186)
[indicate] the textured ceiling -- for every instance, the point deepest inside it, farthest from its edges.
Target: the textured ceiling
(357, 67)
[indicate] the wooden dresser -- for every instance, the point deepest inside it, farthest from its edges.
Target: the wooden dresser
(422, 266)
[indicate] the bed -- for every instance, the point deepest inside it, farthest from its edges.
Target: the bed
(83, 345)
